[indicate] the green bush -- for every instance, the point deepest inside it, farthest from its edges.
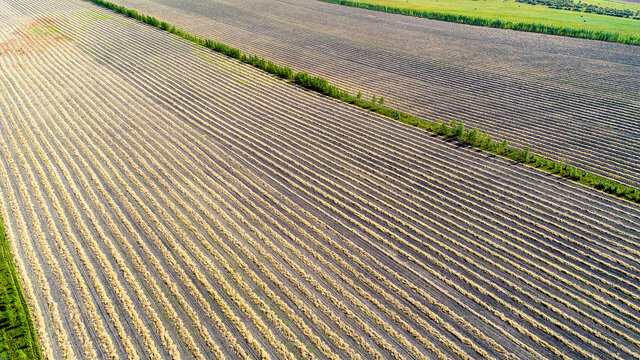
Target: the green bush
(442, 128)
(457, 129)
(472, 136)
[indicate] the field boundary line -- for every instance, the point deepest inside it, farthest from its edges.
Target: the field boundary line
(452, 130)
(6, 259)
(609, 36)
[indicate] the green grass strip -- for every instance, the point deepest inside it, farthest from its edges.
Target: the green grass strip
(609, 36)
(453, 130)
(18, 337)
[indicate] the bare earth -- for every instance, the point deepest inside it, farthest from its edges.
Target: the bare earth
(164, 201)
(570, 99)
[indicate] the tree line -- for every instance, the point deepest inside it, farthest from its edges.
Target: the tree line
(583, 7)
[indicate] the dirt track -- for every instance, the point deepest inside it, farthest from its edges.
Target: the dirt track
(165, 201)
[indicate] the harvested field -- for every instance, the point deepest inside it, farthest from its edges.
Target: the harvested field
(164, 201)
(570, 99)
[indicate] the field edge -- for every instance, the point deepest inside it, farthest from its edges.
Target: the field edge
(18, 302)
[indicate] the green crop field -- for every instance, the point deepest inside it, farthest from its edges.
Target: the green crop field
(510, 10)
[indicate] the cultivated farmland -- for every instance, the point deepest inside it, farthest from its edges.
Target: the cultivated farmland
(165, 201)
(570, 99)
(586, 14)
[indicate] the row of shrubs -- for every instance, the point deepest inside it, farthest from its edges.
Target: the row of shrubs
(583, 7)
(497, 23)
(478, 139)
(453, 130)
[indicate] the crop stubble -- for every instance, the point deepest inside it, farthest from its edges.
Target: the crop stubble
(568, 99)
(198, 207)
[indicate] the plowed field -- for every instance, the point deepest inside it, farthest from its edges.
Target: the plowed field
(164, 201)
(570, 99)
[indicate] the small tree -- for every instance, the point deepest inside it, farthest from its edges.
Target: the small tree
(458, 131)
(359, 96)
(472, 136)
(489, 143)
(374, 99)
(443, 129)
(381, 100)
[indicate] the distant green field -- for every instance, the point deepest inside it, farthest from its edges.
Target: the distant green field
(510, 10)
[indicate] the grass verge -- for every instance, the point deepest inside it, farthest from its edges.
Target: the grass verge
(452, 130)
(610, 36)
(18, 337)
